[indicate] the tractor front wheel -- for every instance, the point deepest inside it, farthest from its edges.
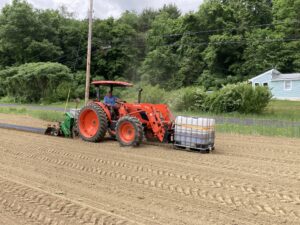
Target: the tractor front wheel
(92, 123)
(129, 131)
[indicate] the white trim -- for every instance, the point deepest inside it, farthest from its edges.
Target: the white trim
(259, 76)
(291, 84)
(269, 72)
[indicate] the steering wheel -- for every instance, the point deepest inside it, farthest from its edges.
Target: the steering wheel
(122, 101)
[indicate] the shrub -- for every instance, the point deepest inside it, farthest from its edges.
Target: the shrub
(62, 91)
(228, 99)
(187, 99)
(7, 99)
(255, 100)
(241, 97)
(153, 94)
(150, 94)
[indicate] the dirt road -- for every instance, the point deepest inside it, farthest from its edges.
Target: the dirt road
(248, 180)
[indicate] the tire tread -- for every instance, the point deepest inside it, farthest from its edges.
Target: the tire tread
(99, 136)
(139, 128)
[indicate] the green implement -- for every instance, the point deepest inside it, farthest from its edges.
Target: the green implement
(66, 128)
(67, 125)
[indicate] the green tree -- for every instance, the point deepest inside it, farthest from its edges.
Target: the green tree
(72, 37)
(287, 19)
(261, 55)
(116, 50)
(33, 82)
(225, 41)
(230, 22)
(191, 48)
(18, 27)
(161, 64)
(172, 11)
(145, 19)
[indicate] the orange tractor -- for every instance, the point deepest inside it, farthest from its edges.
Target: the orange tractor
(129, 123)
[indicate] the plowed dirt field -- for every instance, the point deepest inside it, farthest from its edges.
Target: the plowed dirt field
(247, 180)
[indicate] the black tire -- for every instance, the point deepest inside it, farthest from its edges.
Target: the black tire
(102, 118)
(138, 131)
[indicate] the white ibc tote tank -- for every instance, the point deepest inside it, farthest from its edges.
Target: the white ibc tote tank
(193, 132)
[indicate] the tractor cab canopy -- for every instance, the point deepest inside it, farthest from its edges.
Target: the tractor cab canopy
(110, 83)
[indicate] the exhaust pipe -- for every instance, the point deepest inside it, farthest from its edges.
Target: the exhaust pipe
(140, 95)
(97, 94)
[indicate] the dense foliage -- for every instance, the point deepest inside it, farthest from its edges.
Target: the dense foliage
(33, 82)
(223, 42)
(241, 97)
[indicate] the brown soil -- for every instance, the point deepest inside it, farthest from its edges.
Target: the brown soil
(50, 180)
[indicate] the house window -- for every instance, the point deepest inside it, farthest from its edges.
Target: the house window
(266, 84)
(287, 85)
(256, 84)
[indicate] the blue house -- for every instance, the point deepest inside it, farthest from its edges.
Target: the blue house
(282, 86)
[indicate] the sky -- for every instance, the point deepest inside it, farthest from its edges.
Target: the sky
(106, 8)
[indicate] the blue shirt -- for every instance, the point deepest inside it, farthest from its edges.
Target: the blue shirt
(110, 100)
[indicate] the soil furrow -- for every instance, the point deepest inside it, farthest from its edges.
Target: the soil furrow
(43, 207)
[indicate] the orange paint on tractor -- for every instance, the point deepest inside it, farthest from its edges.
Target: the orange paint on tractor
(127, 132)
(128, 123)
(156, 118)
(88, 123)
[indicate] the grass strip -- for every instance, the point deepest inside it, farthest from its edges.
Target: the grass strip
(50, 116)
(293, 132)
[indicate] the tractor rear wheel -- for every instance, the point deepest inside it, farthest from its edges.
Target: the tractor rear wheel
(129, 131)
(92, 123)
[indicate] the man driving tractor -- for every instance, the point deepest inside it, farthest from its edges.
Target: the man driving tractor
(111, 100)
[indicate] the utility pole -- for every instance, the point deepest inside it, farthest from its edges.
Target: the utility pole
(89, 51)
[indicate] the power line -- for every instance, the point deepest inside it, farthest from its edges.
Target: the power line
(227, 42)
(77, 53)
(190, 33)
(178, 44)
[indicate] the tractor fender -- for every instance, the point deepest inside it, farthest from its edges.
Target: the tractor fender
(105, 109)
